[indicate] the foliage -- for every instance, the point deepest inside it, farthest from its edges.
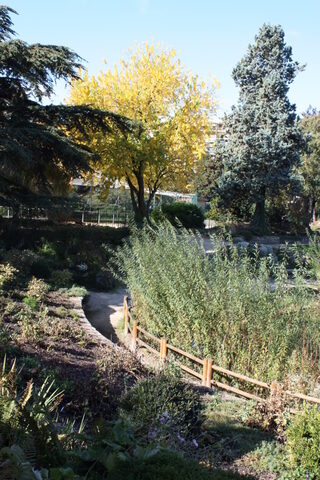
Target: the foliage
(21, 259)
(37, 156)
(272, 415)
(172, 109)
(168, 465)
(179, 214)
(313, 255)
(76, 291)
(162, 399)
(47, 237)
(303, 441)
(220, 304)
(7, 275)
(237, 210)
(311, 160)
(61, 278)
(25, 419)
(37, 288)
(36, 443)
(263, 141)
(31, 302)
(271, 457)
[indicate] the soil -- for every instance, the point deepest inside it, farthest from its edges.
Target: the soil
(92, 372)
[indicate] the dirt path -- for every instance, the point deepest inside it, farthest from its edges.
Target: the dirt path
(104, 312)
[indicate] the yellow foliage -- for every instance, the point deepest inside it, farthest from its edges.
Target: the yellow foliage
(173, 110)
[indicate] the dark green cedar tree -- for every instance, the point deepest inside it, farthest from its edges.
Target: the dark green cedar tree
(39, 150)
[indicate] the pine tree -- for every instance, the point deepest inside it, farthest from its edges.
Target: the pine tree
(260, 151)
(39, 151)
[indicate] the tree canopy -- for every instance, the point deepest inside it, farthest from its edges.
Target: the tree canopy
(310, 169)
(260, 151)
(38, 150)
(171, 108)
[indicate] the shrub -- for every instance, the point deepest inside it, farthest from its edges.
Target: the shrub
(162, 399)
(31, 302)
(179, 213)
(220, 304)
(76, 291)
(303, 441)
(42, 267)
(47, 249)
(21, 259)
(7, 276)
(168, 465)
(313, 255)
(61, 278)
(37, 289)
(26, 423)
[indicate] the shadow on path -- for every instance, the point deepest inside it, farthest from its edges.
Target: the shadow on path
(104, 312)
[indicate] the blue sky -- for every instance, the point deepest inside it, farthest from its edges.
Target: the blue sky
(210, 36)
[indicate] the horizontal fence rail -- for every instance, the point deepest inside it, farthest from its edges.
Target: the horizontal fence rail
(161, 348)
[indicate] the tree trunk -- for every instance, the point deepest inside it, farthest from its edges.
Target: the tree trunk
(140, 208)
(259, 221)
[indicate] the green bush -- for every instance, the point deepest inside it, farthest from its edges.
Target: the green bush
(61, 278)
(162, 400)
(76, 291)
(31, 302)
(312, 253)
(34, 233)
(221, 304)
(168, 465)
(303, 441)
(179, 213)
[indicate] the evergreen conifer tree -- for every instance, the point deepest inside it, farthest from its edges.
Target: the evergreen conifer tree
(39, 151)
(260, 151)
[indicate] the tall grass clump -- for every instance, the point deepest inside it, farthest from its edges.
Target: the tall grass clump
(229, 304)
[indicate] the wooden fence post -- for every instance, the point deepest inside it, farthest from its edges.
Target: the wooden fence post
(126, 315)
(209, 372)
(163, 349)
(134, 335)
(204, 372)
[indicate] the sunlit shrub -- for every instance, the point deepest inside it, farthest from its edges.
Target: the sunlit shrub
(303, 442)
(7, 276)
(229, 305)
(38, 289)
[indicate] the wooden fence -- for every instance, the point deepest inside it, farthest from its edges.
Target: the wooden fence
(207, 368)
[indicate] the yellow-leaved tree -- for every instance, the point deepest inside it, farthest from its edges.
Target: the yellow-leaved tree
(172, 111)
